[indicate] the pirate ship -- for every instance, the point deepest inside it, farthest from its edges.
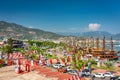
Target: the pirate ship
(96, 48)
(102, 52)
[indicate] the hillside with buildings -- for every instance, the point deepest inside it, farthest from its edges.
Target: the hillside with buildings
(18, 31)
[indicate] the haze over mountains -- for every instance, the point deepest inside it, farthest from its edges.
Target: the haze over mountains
(94, 34)
(15, 30)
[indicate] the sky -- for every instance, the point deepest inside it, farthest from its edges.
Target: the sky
(63, 15)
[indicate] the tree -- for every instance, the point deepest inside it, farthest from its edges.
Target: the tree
(79, 64)
(108, 65)
(8, 48)
(0, 48)
(92, 61)
(79, 52)
(63, 45)
(74, 60)
(34, 57)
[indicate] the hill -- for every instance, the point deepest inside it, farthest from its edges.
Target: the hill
(19, 31)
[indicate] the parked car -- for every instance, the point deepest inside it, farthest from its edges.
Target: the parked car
(74, 72)
(68, 68)
(47, 64)
(118, 78)
(40, 62)
(62, 69)
(99, 75)
(57, 65)
(115, 78)
(85, 72)
(108, 74)
(43, 58)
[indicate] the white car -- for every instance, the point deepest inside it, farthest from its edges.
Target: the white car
(108, 74)
(57, 65)
(68, 68)
(74, 72)
(99, 75)
(118, 78)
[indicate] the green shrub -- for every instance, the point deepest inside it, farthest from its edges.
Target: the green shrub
(92, 61)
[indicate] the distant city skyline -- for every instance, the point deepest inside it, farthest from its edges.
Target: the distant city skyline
(63, 15)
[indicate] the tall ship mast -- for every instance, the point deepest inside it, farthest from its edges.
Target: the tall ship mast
(104, 53)
(98, 43)
(104, 44)
(112, 48)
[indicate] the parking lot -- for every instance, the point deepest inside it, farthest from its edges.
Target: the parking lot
(106, 78)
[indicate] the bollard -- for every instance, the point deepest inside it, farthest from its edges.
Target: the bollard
(28, 68)
(43, 62)
(50, 61)
(10, 62)
(36, 63)
(18, 69)
(32, 63)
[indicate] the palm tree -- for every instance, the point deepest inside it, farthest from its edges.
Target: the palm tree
(79, 65)
(34, 57)
(79, 53)
(74, 60)
(8, 48)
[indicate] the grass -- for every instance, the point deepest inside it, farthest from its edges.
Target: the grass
(102, 67)
(114, 69)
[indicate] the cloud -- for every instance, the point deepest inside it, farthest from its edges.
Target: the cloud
(93, 26)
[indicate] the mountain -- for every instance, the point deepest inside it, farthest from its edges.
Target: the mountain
(19, 31)
(69, 33)
(15, 30)
(94, 34)
(116, 36)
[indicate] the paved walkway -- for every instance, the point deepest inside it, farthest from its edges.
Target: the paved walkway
(51, 73)
(8, 73)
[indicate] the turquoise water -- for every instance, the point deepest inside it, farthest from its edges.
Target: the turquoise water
(118, 49)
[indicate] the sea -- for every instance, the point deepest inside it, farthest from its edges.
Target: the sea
(117, 48)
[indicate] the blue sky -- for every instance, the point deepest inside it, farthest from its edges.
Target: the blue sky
(63, 15)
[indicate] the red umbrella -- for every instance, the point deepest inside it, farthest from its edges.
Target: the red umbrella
(63, 60)
(43, 62)
(68, 58)
(51, 61)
